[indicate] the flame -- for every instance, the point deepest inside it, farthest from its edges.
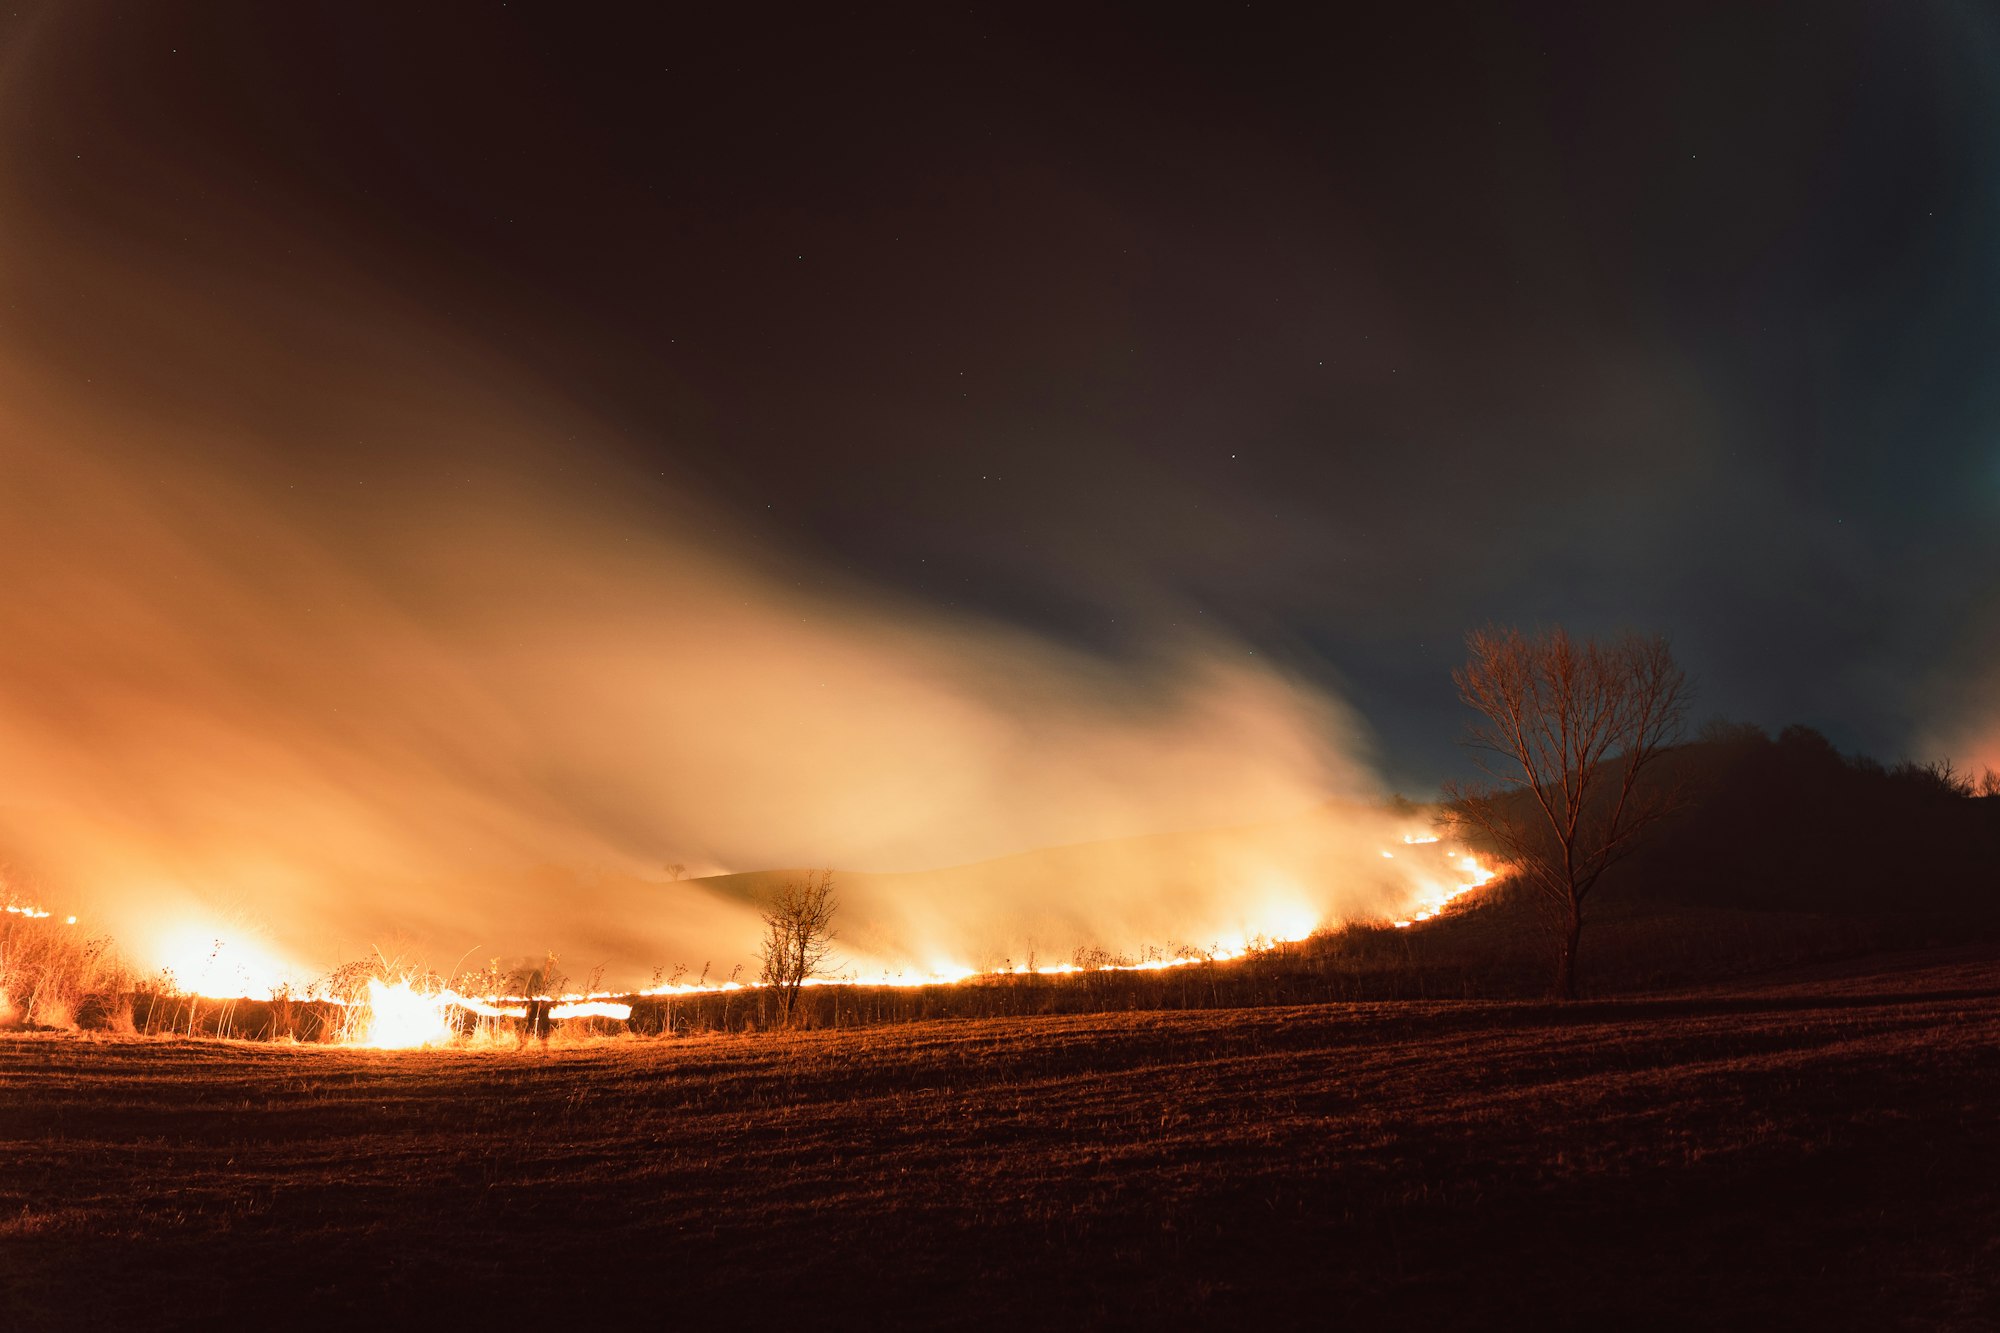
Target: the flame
(34, 913)
(592, 1009)
(1291, 920)
(401, 1018)
(1435, 901)
(401, 1015)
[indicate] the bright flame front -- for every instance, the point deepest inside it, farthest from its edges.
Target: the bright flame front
(1439, 896)
(401, 1018)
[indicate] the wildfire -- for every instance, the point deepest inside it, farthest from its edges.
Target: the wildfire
(1291, 923)
(401, 1018)
(610, 1009)
(1476, 875)
(409, 1014)
(34, 913)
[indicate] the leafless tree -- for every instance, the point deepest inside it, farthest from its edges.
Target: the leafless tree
(1940, 777)
(798, 936)
(1569, 734)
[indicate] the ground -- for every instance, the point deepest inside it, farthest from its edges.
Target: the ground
(1823, 1151)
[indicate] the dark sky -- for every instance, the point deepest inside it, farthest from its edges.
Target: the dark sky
(1341, 331)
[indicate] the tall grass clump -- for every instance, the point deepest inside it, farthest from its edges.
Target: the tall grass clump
(53, 975)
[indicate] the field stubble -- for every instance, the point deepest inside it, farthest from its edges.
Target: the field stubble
(1826, 1150)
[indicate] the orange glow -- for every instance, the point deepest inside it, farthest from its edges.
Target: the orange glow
(385, 636)
(201, 959)
(1434, 902)
(592, 1009)
(400, 1018)
(401, 1015)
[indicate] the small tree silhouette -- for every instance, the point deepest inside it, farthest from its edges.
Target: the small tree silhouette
(798, 936)
(1569, 733)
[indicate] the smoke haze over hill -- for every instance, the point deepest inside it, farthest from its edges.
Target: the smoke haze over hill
(324, 624)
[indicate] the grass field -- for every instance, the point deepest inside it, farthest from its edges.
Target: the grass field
(1821, 1152)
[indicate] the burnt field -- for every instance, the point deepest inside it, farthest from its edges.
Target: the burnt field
(1824, 1150)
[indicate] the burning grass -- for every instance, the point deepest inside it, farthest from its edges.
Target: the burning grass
(1818, 1153)
(54, 975)
(220, 985)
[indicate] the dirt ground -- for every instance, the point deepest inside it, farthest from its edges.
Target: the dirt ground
(1822, 1152)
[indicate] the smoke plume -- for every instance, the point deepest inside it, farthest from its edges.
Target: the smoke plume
(327, 627)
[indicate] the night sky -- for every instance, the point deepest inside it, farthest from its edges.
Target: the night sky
(1336, 333)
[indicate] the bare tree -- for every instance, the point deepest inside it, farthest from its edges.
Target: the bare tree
(798, 936)
(1938, 778)
(1569, 734)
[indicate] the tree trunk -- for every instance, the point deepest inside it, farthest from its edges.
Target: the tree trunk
(1566, 960)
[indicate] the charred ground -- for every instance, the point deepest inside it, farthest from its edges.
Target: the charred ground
(1810, 1151)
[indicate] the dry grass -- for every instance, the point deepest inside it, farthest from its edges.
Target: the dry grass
(55, 976)
(1818, 1153)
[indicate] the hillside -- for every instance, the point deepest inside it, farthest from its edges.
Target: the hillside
(1791, 823)
(1785, 851)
